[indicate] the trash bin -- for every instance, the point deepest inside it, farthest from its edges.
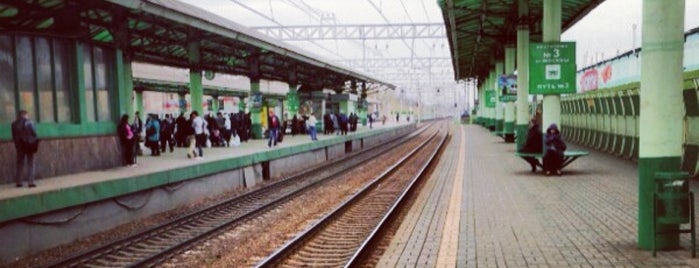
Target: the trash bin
(672, 192)
(673, 204)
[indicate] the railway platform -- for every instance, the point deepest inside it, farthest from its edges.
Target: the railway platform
(77, 204)
(483, 208)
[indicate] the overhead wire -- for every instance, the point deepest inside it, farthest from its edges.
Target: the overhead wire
(279, 24)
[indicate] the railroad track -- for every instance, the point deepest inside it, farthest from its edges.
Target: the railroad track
(344, 237)
(158, 244)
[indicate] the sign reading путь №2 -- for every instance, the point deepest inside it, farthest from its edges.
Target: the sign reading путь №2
(552, 68)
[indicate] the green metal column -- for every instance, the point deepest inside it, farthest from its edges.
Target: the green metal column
(196, 91)
(509, 126)
(138, 98)
(255, 111)
(486, 87)
(214, 104)
(124, 83)
(364, 105)
(241, 104)
(292, 100)
(292, 97)
(492, 121)
(522, 75)
(551, 33)
(499, 109)
(662, 109)
(481, 104)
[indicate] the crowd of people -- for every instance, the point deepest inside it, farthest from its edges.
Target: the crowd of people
(220, 130)
(193, 132)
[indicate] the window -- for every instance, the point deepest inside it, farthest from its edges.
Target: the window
(38, 80)
(44, 79)
(62, 74)
(25, 74)
(7, 80)
(98, 83)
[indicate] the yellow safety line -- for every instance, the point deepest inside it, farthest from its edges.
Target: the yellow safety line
(450, 236)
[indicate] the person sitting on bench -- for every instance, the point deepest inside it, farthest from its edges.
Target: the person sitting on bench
(534, 142)
(555, 147)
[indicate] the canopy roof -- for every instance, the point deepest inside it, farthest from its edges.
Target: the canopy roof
(160, 31)
(478, 30)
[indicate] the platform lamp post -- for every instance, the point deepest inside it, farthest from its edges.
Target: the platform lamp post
(662, 110)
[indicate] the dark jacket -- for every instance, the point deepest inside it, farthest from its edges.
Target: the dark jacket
(273, 122)
(553, 140)
(23, 133)
(534, 142)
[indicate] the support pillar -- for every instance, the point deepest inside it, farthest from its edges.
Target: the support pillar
(499, 109)
(492, 121)
(522, 75)
(662, 109)
(196, 90)
(214, 105)
(364, 105)
(255, 99)
(551, 33)
(292, 100)
(481, 105)
(509, 125)
(292, 97)
(138, 98)
(125, 83)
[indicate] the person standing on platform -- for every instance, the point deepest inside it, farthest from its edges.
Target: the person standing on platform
(343, 123)
(153, 135)
(227, 130)
(137, 128)
(273, 129)
(327, 124)
(181, 126)
(555, 147)
(248, 126)
(371, 120)
(235, 125)
(294, 125)
(199, 126)
(126, 137)
(336, 123)
(166, 129)
(311, 122)
(26, 144)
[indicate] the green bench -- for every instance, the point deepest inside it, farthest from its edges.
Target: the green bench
(568, 157)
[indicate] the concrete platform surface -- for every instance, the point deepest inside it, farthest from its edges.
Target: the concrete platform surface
(507, 216)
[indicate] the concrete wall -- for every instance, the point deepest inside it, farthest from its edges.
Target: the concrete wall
(64, 156)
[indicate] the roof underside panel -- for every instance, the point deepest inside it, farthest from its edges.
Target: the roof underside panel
(158, 31)
(478, 30)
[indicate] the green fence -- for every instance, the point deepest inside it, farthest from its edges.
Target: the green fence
(607, 120)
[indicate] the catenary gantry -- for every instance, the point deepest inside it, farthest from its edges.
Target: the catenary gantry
(161, 31)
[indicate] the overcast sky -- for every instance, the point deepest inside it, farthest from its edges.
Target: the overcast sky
(605, 31)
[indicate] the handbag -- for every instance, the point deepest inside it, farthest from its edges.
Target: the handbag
(31, 147)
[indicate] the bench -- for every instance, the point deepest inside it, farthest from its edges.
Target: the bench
(568, 157)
